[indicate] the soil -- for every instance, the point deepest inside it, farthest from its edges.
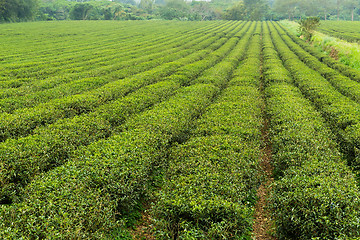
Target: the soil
(334, 53)
(144, 229)
(263, 225)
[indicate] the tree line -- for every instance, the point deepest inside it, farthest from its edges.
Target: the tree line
(24, 10)
(325, 9)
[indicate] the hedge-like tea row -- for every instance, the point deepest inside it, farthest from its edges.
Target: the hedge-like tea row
(113, 61)
(315, 195)
(110, 63)
(75, 62)
(49, 57)
(347, 30)
(191, 71)
(212, 178)
(42, 69)
(51, 146)
(111, 72)
(59, 46)
(90, 61)
(220, 74)
(322, 57)
(342, 113)
(22, 122)
(42, 90)
(344, 84)
(90, 195)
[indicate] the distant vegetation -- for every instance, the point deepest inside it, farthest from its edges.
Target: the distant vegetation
(349, 31)
(45, 10)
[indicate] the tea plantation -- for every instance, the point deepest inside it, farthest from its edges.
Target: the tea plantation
(104, 122)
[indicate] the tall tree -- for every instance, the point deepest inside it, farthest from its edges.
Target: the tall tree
(256, 9)
(80, 11)
(338, 5)
(203, 11)
(253, 10)
(175, 9)
(351, 5)
(287, 7)
(147, 5)
(17, 10)
(236, 12)
(326, 6)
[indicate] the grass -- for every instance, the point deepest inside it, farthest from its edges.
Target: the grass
(347, 53)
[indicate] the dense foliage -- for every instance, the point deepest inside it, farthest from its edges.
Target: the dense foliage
(211, 181)
(251, 10)
(98, 119)
(15, 10)
(325, 9)
(307, 27)
(315, 194)
(23, 10)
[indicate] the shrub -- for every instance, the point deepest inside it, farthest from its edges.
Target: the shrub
(308, 25)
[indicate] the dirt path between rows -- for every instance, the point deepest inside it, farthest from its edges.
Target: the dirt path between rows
(263, 226)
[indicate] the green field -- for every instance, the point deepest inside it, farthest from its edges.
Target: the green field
(347, 30)
(103, 123)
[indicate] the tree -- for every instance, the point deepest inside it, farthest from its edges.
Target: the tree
(147, 5)
(236, 12)
(307, 27)
(17, 10)
(80, 11)
(130, 2)
(175, 9)
(253, 10)
(351, 5)
(256, 10)
(287, 8)
(325, 6)
(203, 11)
(54, 9)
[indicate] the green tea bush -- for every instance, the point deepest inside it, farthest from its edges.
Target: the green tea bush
(344, 84)
(347, 30)
(51, 146)
(210, 185)
(341, 112)
(322, 57)
(315, 195)
(92, 194)
(23, 121)
(209, 190)
(319, 200)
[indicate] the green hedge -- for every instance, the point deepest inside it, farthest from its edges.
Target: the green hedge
(315, 195)
(319, 200)
(125, 68)
(209, 190)
(210, 186)
(345, 85)
(340, 112)
(52, 145)
(23, 121)
(322, 57)
(91, 195)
